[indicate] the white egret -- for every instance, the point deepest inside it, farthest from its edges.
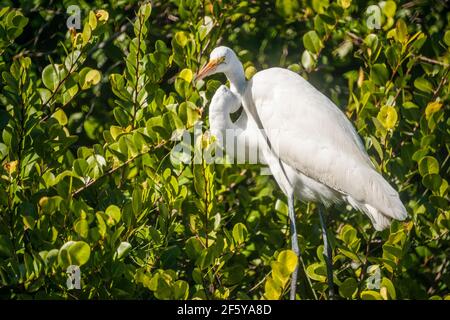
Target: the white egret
(318, 157)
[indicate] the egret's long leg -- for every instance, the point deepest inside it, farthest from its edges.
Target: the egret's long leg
(294, 240)
(327, 254)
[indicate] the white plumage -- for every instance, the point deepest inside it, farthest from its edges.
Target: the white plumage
(312, 149)
(313, 136)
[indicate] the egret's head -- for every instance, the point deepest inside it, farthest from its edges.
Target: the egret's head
(221, 60)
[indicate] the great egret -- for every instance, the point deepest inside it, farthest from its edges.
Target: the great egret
(319, 156)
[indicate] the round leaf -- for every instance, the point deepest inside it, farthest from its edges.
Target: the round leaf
(348, 288)
(288, 259)
(428, 165)
(388, 117)
(113, 213)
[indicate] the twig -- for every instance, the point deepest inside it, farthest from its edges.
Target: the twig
(432, 61)
(112, 170)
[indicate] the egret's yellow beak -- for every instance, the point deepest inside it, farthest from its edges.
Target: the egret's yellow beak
(208, 68)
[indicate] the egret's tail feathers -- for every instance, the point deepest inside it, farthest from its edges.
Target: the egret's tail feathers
(385, 199)
(382, 203)
(379, 220)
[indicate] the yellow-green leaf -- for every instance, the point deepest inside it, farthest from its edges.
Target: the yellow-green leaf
(388, 117)
(186, 75)
(389, 8)
(371, 295)
(250, 72)
(181, 38)
(102, 15)
(113, 213)
(272, 291)
(60, 115)
(423, 85)
(312, 42)
(432, 107)
(93, 77)
(345, 3)
(401, 31)
(92, 20)
(239, 232)
(288, 259)
(428, 165)
(317, 271)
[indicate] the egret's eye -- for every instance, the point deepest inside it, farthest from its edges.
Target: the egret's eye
(221, 60)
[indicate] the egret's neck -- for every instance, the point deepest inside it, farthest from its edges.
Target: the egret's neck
(219, 119)
(236, 76)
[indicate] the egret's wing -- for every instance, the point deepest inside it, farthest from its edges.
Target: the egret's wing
(308, 132)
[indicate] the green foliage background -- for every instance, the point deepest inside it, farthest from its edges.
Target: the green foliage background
(86, 178)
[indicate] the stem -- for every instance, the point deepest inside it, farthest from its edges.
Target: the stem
(112, 170)
(69, 73)
(136, 104)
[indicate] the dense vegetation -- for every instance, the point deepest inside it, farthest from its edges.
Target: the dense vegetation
(89, 116)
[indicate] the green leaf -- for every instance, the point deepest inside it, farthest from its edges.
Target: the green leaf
(29, 222)
(93, 77)
(114, 214)
(181, 38)
(447, 38)
(348, 234)
(181, 290)
(121, 117)
(428, 165)
(6, 247)
(423, 85)
(79, 253)
(432, 181)
(122, 250)
(60, 115)
(348, 288)
(193, 248)
(52, 75)
(74, 253)
(308, 61)
(393, 250)
(320, 6)
(239, 233)
(81, 227)
(69, 90)
(317, 271)
(379, 74)
(287, 8)
(312, 42)
(145, 10)
(186, 75)
(89, 77)
(401, 31)
(385, 282)
(80, 167)
(199, 181)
